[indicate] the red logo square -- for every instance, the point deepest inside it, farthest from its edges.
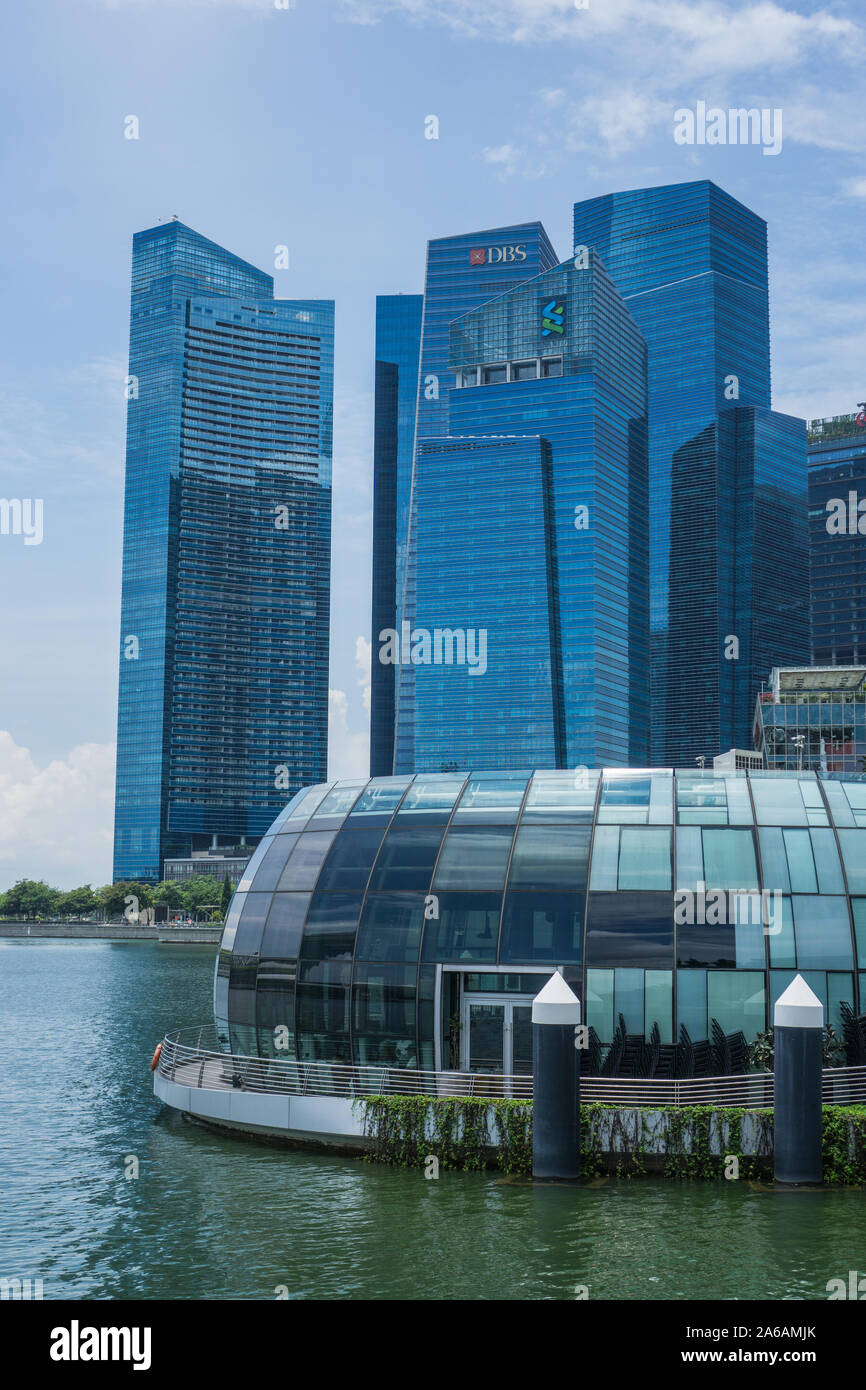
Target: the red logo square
(477, 255)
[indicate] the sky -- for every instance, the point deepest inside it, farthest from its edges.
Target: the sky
(303, 123)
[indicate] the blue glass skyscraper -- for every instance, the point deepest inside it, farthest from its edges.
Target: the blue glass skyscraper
(462, 272)
(222, 710)
(398, 345)
(837, 539)
(532, 530)
(691, 264)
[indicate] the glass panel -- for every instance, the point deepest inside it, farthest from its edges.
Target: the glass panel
(266, 876)
(332, 924)
(378, 802)
(492, 799)
(599, 1003)
(430, 799)
(406, 858)
(323, 1010)
(304, 808)
(801, 866)
(337, 804)
(605, 858)
(391, 926)
(739, 802)
(661, 806)
(692, 1003)
(631, 929)
(521, 1039)
(625, 798)
(306, 859)
(629, 999)
(261, 850)
(486, 1037)
(282, 935)
(840, 989)
(777, 800)
(858, 909)
(467, 927)
(383, 1002)
(552, 856)
(838, 803)
(474, 857)
(542, 927)
(729, 859)
(701, 799)
(489, 983)
(822, 933)
(853, 845)
(251, 923)
(690, 859)
(658, 1002)
(567, 797)
(644, 858)
(289, 807)
(774, 861)
(782, 949)
(827, 861)
(350, 859)
(735, 998)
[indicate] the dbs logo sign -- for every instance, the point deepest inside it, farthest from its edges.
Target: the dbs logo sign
(860, 418)
(496, 255)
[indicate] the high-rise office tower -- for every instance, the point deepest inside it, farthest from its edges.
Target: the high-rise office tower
(837, 539)
(691, 264)
(398, 345)
(532, 536)
(462, 272)
(222, 711)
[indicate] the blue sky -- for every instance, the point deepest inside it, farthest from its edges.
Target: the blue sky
(304, 126)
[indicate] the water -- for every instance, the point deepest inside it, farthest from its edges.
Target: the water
(211, 1217)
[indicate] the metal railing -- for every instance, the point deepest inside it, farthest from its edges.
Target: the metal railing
(192, 1057)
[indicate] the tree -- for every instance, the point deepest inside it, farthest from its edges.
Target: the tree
(199, 891)
(31, 898)
(78, 902)
(169, 893)
(226, 896)
(114, 896)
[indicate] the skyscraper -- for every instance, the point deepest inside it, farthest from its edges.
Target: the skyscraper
(532, 535)
(398, 345)
(691, 264)
(222, 710)
(462, 272)
(837, 539)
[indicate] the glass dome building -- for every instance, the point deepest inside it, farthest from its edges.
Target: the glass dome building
(408, 921)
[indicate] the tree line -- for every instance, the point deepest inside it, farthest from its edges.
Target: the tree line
(33, 899)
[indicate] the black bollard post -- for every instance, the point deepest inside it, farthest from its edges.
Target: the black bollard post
(555, 1082)
(798, 1020)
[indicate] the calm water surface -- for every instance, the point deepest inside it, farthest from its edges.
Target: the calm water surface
(210, 1217)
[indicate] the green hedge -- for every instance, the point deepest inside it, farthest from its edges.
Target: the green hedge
(474, 1133)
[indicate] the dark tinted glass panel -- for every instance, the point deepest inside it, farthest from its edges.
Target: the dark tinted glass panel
(631, 929)
(467, 927)
(282, 938)
(391, 926)
(692, 1003)
(323, 1010)
(426, 1017)
(736, 1000)
(542, 927)
(350, 859)
(553, 856)
(251, 924)
(474, 857)
(261, 850)
(504, 984)
(304, 808)
(383, 1001)
(332, 923)
(268, 872)
(306, 860)
(406, 858)
(275, 1009)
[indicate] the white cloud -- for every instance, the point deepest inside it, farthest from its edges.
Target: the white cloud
(856, 188)
(348, 752)
(363, 658)
(56, 822)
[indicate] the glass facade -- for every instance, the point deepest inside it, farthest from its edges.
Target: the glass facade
(398, 347)
(813, 717)
(667, 898)
(837, 539)
(462, 273)
(726, 496)
(222, 708)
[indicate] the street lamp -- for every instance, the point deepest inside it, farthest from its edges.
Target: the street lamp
(799, 741)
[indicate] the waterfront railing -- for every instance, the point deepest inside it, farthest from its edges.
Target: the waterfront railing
(192, 1057)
